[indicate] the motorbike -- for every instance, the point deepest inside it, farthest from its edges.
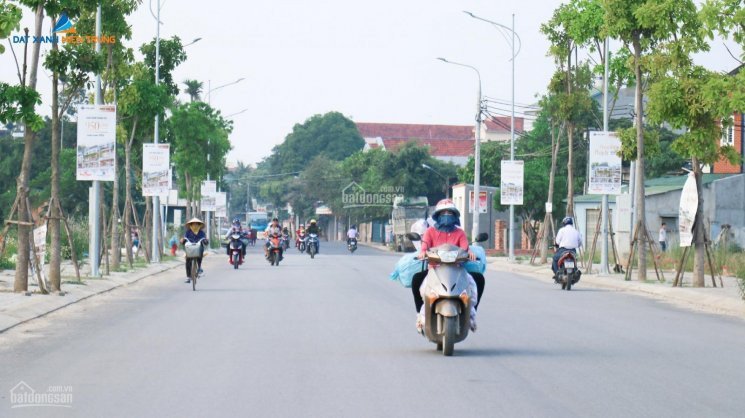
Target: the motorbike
(302, 242)
(274, 254)
(352, 245)
(568, 273)
(446, 294)
(235, 247)
(285, 241)
(312, 245)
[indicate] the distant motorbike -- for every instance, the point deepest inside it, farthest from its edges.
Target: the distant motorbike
(352, 245)
(312, 245)
(301, 242)
(274, 253)
(445, 291)
(568, 273)
(235, 247)
(285, 241)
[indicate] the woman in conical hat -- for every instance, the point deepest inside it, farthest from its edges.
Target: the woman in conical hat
(194, 233)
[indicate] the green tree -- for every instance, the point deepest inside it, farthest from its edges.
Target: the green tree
(193, 89)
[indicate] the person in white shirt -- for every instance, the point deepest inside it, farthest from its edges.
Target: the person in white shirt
(567, 239)
(352, 233)
(420, 227)
(663, 237)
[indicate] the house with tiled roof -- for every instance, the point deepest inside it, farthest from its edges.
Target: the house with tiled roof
(732, 135)
(450, 143)
(499, 128)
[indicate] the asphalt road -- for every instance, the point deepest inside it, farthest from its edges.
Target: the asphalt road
(334, 337)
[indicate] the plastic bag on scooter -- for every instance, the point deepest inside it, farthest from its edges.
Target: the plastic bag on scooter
(478, 266)
(406, 268)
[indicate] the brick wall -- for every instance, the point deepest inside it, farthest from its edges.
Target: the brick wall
(500, 236)
(723, 166)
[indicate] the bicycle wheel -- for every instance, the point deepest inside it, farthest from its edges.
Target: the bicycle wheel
(194, 273)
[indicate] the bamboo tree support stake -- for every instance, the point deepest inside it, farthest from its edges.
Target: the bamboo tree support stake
(36, 264)
(591, 255)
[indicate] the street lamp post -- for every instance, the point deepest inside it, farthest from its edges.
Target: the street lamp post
(447, 180)
(155, 250)
(512, 117)
(476, 156)
(209, 102)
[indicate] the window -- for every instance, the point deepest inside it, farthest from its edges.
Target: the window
(728, 133)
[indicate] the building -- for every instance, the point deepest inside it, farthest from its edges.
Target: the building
(449, 143)
(732, 135)
(463, 199)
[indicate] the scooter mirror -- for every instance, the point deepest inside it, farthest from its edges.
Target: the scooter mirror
(482, 237)
(413, 236)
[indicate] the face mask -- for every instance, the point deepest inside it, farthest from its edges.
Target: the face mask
(446, 222)
(194, 228)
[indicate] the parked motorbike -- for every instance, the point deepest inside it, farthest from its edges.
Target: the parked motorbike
(236, 249)
(312, 245)
(568, 273)
(274, 253)
(352, 245)
(446, 294)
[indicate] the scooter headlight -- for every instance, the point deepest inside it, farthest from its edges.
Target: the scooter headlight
(448, 256)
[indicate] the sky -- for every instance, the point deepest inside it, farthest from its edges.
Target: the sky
(373, 61)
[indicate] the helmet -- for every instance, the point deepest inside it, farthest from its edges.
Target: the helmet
(567, 221)
(302, 225)
(275, 220)
(312, 221)
(354, 226)
(236, 221)
(445, 204)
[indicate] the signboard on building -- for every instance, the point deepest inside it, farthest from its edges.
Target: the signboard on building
(605, 163)
(96, 150)
(511, 184)
(483, 204)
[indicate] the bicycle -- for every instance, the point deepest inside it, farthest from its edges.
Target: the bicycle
(193, 252)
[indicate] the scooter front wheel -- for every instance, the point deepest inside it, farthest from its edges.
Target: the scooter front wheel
(448, 335)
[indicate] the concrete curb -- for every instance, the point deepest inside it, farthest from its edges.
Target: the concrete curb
(378, 247)
(23, 309)
(710, 300)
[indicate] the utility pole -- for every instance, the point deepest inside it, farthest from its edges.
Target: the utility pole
(94, 208)
(155, 254)
(604, 204)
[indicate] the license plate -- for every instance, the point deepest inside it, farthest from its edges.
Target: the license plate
(569, 264)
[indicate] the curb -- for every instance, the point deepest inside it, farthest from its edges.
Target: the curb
(378, 247)
(699, 299)
(160, 269)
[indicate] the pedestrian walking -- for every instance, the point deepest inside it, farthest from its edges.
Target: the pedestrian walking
(662, 238)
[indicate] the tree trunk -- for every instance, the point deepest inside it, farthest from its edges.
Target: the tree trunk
(116, 248)
(640, 206)
(699, 233)
(55, 259)
(20, 283)
(555, 145)
(570, 145)
(128, 191)
(187, 179)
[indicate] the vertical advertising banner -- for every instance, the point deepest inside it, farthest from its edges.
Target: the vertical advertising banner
(482, 202)
(156, 173)
(209, 192)
(605, 163)
(511, 185)
(221, 205)
(96, 150)
(687, 211)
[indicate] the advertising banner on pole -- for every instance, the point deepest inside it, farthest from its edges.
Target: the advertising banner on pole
(687, 211)
(511, 184)
(209, 190)
(221, 205)
(156, 180)
(482, 202)
(96, 150)
(605, 163)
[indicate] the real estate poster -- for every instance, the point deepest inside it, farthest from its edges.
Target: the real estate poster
(511, 184)
(605, 163)
(96, 149)
(482, 202)
(221, 207)
(687, 211)
(209, 192)
(156, 173)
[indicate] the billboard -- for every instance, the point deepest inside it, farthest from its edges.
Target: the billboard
(687, 211)
(156, 173)
(605, 163)
(96, 149)
(221, 205)
(209, 192)
(511, 183)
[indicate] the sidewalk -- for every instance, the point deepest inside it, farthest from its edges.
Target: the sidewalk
(726, 301)
(17, 308)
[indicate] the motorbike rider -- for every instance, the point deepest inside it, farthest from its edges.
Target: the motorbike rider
(271, 231)
(445, 231)
(313, 229)
(194, 232)
(352, 234)
(237, 228)
(567, 239)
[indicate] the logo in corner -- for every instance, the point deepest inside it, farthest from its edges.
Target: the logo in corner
(64, 25)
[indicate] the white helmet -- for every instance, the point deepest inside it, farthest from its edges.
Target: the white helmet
(445, 204)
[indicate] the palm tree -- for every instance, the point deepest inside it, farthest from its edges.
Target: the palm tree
(193, 89)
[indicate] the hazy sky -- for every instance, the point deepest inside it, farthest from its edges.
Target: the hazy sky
(373, 61)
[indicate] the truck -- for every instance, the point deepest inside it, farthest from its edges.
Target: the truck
(406, 211)
(259, 221)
